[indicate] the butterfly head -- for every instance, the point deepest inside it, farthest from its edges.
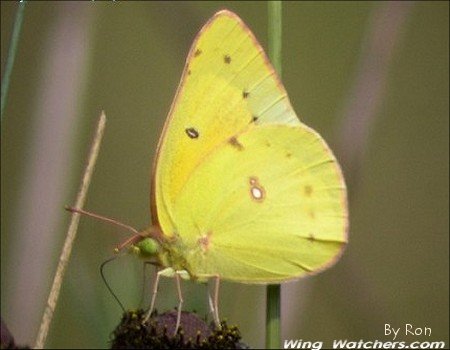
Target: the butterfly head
(144, 244)
(146, 248)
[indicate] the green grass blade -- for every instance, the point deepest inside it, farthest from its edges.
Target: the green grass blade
(275, 25)
(11, 56)
(273, 331)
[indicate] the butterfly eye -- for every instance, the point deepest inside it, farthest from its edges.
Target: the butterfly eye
(192, 133)
(148, 247)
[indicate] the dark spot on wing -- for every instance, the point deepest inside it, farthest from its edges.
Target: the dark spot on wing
(192, 133)
(227, 59)
(311, 237)
(197, 53)
(189, 72)
(255, 119)
(288, 154)
(233, 141)
(308, 190)
(245, 94)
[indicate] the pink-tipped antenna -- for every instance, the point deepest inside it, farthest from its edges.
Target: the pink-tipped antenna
(137, 236)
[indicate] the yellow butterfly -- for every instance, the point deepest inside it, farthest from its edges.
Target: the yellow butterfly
(241, 189)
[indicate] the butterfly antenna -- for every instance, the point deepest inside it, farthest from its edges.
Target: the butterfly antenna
(107, 284)
(103, 218)
(137, 236)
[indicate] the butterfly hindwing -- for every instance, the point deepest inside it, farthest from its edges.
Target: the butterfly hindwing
(265, 206)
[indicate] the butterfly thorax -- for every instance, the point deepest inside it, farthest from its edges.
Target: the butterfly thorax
(161, 250)
(172, 254)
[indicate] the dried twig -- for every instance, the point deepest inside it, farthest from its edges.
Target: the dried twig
(71, 233)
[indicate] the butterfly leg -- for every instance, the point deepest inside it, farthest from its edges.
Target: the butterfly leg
(180, 300)
(211, 304)
(166, 272)
(144, 267)
(216, 300)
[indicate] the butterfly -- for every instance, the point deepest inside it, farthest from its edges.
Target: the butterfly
(241, 189)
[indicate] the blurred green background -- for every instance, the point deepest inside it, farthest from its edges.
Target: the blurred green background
(371, 77)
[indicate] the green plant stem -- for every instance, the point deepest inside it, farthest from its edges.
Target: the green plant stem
(273, 331)
(275, 25)
(17, 27)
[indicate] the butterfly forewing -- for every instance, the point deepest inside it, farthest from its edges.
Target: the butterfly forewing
(227, 84)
